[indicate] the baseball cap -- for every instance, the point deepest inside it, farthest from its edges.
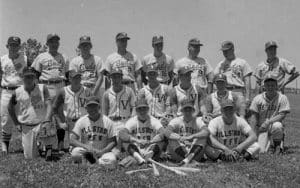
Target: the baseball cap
(116, 71)
(195, 42)
(270, 77)
(92, 100)
(227, 103)
(14, 40)
(151, 68)
(85, 39)
(29, 71)
(74, 73)
(184, 70)
(270, 44)
(157, 39)
(187, 104)
(227, 45)
(141, 102)
(52, 36)
(220, 77)
(122, 35)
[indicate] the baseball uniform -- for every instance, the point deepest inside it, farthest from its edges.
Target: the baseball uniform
(200, 66)
(164, 64)
(96, 134)
(11, 79)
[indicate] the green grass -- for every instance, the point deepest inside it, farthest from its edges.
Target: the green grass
(268, 171)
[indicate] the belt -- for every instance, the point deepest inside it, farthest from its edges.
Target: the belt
(117, 118)
(49, 82)
(9, 87)
(30, 125)
(127, 82)
(234, 87)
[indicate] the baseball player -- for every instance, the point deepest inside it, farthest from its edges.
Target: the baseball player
(238, 72)
(231, 137)
(187, 136)
(143, 135)
(202, 74)
(269, 110)
(30, 110)
(212, 107)
(88, 65)
(275, 66)
(126, 61)
(163, 62)
(69, 106)
(52, 66)
(11, 66)
(186, 90)
(93, 136)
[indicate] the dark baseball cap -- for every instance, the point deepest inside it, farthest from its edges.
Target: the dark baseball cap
(270, 77)
(270, 44)
(157, 39)
(195, 42)
(29, 71)
(184, 70)
(52, 36)
(141, 102)
(14, 40)
(74, 73)
(227, 103)
(85, 39)
(116, 71)
(220, 77)
(122, 35)
(92, 100)
(227, 45)
(187, 104)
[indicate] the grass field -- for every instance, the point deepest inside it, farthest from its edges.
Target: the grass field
(268, 171)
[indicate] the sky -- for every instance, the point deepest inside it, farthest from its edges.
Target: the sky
(249, 24)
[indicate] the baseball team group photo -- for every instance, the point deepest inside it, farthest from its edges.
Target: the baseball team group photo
(136, 120)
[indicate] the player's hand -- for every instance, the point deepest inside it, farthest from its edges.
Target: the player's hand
(230, 155)
(63, 126)
(206, 118)
(19, 128)
(264, 127)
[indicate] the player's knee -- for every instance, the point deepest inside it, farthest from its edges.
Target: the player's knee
(277, 131)
(108, 159)
(212, 153)
(253, 149)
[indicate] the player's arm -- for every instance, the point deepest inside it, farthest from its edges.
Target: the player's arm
(58, 106)
(139, 79)
(171, 71)
(240, 104)
(173, 103)
(290, 69)
(215, 143)
(201, 99)
(1, 72)
(100, 77)
(251, 138)
(210, 77)
(203, 133)
(159, 137)
(125, 136)
(74, 141)
(11, 109)
(247, 80)
(291, 78)
(105, 104)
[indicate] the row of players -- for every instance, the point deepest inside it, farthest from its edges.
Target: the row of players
(192, 123)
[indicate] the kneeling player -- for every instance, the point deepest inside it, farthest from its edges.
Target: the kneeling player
(92, 136)
(231, 136)
(142, 136)
(187, 136)
(30, 109)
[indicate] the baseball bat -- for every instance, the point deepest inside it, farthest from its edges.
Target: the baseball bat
(155, 170)
(187, 169)
(167, 167)
(139, 170)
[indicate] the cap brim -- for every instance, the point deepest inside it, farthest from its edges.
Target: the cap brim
(158, 42)
(187, 106)
(29, 74)
(274, 45)
(228, 105)
(120, 38)
(141, 106)
(217, 80)
(270, 79)
(90, 103)
(53, 37)
(84, 42)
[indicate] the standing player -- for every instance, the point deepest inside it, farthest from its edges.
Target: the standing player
(126, 61)
(275, 66)
(88, 65)
(269, 110)
(163, 62)
(186, 90)
(52, 66)
(11, 66)
(212, 107)
(227, 136)
(143, 134)
(238, 72)
(30, 109)
(202, 72)
(93, 137)
(187, 135)
(69, 106)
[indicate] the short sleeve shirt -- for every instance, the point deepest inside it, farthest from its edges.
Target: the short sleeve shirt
(183, 128)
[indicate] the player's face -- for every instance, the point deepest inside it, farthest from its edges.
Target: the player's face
(122, 43)
(53, 44)
(185, 78)
(116, 79)
(76, 80)
(152, 75)
(271, 86)
(29, 81)
(228, 112)
(271, 52)
(13, 48)
(142, 112)
(85, 48)
(188, 112)
(194, 50)
(228, 54)
(221, 85)
(158, 47)
(93, 110)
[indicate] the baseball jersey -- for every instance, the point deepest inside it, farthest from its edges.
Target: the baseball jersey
(94, 133)
(278, 68)
(180, 126)
(194, 94)
(143, 130)
(235, 71)
(268, 108)
(200, 66)
(89, 68)
(164, 64)
(51, 68)
(12, 70)
(119, 104)
(31, 107)
(128, 63)
(229, 135)
(73, 103)
(158, 99)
